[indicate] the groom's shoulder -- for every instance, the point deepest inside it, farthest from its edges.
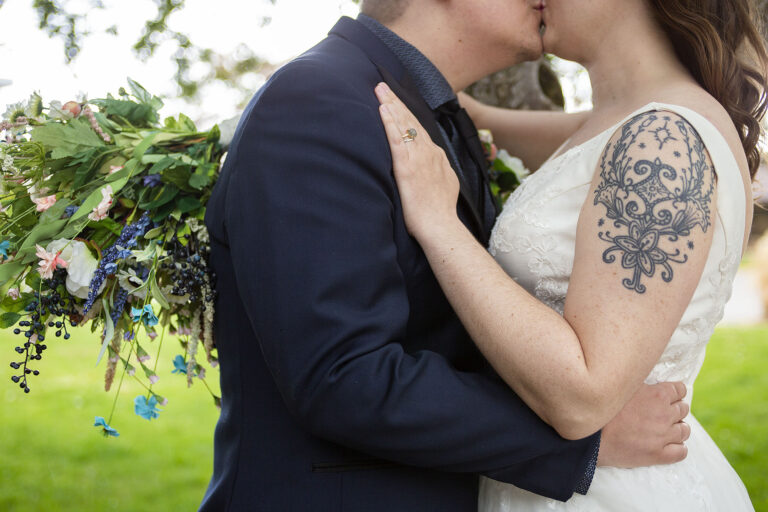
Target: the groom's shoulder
(333, 68)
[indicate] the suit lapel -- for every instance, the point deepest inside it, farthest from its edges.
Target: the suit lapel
(401, 83)
(416, 104)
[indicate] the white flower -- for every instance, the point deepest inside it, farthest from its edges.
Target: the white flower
(81, 265)
(14, 111)
(514, 164)
(56, 112)
(14, 293)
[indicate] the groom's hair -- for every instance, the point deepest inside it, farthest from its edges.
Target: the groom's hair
(384, 11)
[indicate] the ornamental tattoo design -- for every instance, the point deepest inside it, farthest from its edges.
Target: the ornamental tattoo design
(653, 204)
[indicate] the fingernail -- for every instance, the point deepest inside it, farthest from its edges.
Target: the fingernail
(384, 108)
(383, 87)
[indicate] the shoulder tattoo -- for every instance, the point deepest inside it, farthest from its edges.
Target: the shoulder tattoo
(656, 184)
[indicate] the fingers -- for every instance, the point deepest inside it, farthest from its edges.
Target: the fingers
(394, 133)
(400, 113)
(679, 391)
(679, 433)
(673, 453)
(682, 411)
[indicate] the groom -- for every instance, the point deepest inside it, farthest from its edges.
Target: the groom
(348, 383)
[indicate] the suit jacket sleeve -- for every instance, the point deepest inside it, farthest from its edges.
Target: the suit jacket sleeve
(309, 214)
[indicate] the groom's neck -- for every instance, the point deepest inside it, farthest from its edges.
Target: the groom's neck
(461, 57)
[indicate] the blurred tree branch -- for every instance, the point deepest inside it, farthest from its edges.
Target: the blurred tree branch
(59, 19)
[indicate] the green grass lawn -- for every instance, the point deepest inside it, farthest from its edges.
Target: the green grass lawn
(731, 402)
(53, 459)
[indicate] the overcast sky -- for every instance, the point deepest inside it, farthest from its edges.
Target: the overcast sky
(34, 62)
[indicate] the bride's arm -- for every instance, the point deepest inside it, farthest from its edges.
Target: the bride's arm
(630, 283)
(530, 135)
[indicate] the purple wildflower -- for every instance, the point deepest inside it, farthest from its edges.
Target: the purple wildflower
(117, 310)
(152, 180)
(126, 241)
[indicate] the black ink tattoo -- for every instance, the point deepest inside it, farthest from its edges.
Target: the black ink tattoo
(653, 204)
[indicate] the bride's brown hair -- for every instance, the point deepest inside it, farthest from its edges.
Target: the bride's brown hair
(721, 45)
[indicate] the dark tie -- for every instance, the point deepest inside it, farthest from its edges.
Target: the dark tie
(464, 139)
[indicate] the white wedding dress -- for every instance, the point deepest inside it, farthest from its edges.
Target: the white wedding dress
(534, 241)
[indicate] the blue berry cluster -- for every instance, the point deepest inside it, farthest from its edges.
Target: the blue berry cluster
(52, 305)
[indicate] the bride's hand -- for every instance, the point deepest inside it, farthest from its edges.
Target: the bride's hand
(428, 185)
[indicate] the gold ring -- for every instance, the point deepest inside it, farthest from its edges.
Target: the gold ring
(410, 135)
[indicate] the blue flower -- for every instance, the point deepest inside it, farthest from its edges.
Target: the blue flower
(152, 180)
(4, 246)
(147, 409)
(70, 211)
(180, 365)
(108, 431)
(146, 313)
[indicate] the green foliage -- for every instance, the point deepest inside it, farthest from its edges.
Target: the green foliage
(67, 139)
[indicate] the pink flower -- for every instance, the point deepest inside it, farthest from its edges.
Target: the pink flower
(13, 293)
(152, 335)
(100, 212)
(33, 338)
(48, 262)
(43, 203)
(114, 168)
(153, 379)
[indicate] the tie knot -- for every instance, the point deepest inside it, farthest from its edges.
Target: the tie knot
(450, 107)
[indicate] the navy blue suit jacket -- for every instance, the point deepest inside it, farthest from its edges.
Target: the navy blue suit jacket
(348, 383)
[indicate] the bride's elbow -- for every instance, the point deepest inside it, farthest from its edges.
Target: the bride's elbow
(575, 429)
(580, 418)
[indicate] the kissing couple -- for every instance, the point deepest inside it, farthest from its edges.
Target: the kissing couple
(390, 341)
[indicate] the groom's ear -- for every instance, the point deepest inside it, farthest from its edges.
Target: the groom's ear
(384, 11)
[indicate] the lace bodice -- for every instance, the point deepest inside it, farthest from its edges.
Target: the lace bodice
(535, 236)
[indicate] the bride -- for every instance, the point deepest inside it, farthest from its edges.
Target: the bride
(623, 246)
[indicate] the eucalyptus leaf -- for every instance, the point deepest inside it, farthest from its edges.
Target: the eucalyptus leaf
(154, 233)
(166, 194)
(109, 331)
(187, 204)
(14, 306)
(157, 294)
(160, 165)
(139, 92)
(33, 280)
(10, 270)
(9, 320)
(43, 233)
(139, 151)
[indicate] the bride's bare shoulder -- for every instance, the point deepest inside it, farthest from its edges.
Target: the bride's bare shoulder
(700, 101)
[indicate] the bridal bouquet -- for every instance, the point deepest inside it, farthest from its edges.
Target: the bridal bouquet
(101, 224)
